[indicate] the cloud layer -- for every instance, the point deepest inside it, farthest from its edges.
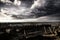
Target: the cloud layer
(24, 9)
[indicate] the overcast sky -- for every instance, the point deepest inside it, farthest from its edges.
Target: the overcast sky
(33, 9)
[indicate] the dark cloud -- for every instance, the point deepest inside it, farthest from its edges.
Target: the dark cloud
(48, 9)
(27, 3)
(51, 8)
(1, 4)
(12, 0)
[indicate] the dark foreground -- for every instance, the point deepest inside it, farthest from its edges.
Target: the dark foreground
(11, 37)
(20, 31)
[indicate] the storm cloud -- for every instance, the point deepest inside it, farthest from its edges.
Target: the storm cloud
(33, 9)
